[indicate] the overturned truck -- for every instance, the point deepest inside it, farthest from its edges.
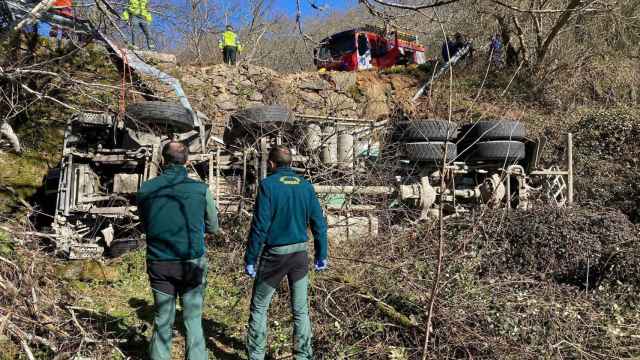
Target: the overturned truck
(362, 170)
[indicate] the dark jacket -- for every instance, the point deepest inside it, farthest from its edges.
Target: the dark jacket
(285, 207)
(175, 212)
(451, 51)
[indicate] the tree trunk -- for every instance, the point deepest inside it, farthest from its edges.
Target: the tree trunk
(562, 21)
(505, 32)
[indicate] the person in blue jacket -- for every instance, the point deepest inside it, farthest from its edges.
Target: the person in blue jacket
(285, 207)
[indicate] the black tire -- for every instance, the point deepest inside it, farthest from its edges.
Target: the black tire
(249, 124)
(159, 113)
(426, 130)
(506, 151)
(120, 247)
(430, 151)
(267, 115)
(497, 130)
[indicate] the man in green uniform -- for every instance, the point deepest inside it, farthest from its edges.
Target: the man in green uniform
(285, 207)
(176, 211)
(138, 15)
(230, 46)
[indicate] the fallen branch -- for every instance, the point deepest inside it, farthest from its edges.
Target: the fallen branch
(391, 312)
(385, 308)
(27, 350)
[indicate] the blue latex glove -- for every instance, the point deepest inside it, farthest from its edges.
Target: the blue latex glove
(321, 264)
(250, 270)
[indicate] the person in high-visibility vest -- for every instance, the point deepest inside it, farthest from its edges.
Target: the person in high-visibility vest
(230, 45)
(138, 15)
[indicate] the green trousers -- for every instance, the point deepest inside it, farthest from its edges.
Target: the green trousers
(276, 263)
(187, 281)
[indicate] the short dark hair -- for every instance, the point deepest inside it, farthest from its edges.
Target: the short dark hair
(280, 155)
(175, 153)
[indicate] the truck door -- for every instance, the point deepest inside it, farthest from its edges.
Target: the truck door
(364, 52)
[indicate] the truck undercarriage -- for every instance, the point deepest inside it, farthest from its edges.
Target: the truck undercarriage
(361, 170)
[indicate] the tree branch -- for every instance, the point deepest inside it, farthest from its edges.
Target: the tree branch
(412, 7)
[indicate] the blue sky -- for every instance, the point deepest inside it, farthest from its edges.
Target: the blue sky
(283, 6)
(289, 6)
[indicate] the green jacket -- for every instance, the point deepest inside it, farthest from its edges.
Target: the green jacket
(137, 8)
(229, 38)
(285, 207)
(176, 211)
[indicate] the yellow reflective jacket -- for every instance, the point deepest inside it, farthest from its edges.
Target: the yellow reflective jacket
(137, 8)
(229, 38)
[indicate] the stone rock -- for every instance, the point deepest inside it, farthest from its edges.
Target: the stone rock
(314, 84)
(401, 82)
(289, 100)
(233, 89)
(192, 81)
(254, 71)
(224, 97)
(375, 92)
(343, 80)
(213, 91)
(256, 96)
(261, 84)
(251, 104)
(246, 83)
(340, 102)
(311, 98)
(348, 113)
(227, 106)
(376, 109)
(309, 111)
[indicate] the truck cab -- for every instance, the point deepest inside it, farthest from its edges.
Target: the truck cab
(370, 47)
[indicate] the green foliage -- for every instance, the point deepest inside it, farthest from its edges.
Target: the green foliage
(607, 162)
(7, 246)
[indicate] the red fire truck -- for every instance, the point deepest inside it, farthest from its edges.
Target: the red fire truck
(368, 48)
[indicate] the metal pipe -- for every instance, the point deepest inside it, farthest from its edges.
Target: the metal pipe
(68, 190)
(263, 157)
(329, 153)
(333, 118)
(313, 137)
(347, 189)
(549, 172)
(570, 168)
(464, 193)
(345, 149)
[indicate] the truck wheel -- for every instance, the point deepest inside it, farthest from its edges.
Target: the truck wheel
(509, 151)
(430, 151)
(427, 129)
(249, 124)
(159, 113)
(497, 130)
